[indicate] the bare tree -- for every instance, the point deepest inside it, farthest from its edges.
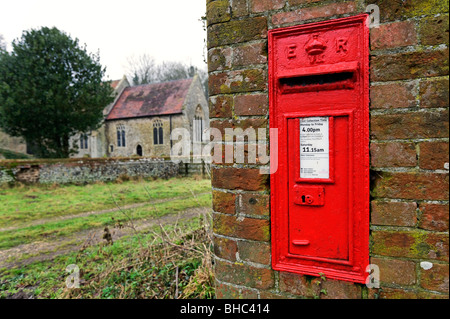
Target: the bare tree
(141, 69)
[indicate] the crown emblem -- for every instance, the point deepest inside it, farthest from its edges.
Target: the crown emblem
(315, 48)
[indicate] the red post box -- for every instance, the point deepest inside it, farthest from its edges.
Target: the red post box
(319, 102)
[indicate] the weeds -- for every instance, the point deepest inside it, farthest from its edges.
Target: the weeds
(170, 261)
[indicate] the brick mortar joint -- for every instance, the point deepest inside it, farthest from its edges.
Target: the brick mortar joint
(410, 229)
(420, 79)
(409, 49)
(417, 201)
(244, 263)
(239, 287)
(239, 191)
(407, 170)
(414, 110)
(412, 140)
(244, 216)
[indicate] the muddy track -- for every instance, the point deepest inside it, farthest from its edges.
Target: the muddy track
(47, 250)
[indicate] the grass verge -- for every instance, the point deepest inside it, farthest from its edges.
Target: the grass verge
(174, 262)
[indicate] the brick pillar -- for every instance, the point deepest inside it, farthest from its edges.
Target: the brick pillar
(409, 147)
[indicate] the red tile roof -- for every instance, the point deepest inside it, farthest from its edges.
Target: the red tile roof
(150, 100)
(114, 83)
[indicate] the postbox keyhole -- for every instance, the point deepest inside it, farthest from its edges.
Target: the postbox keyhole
(303, 198)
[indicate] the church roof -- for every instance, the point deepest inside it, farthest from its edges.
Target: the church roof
(151, 99)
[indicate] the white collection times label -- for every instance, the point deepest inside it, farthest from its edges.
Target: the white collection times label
(314, 148)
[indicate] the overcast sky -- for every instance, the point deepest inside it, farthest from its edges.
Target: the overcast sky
(168, 30)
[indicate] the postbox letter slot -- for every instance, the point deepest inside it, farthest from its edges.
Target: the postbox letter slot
(322, 82)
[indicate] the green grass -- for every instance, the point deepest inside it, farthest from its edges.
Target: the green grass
(126, 269)
(13, 155)
(55, 229)
(22, 205)
(142, 265)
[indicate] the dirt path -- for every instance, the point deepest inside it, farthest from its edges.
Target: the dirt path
(39, 251)
(99, 212)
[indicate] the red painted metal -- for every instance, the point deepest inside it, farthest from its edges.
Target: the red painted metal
(319, 102)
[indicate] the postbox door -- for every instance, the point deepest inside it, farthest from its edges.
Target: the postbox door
(319, 187)
(319, 103)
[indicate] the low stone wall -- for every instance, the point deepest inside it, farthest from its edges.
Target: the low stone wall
(79, 171)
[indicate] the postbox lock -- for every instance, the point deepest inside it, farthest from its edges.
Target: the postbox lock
(309, 195)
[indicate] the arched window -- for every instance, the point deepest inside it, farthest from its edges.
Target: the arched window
(121, 142)
(158, 132)
(155, 135)
(83, 142)
(161, 137)
(198, 125)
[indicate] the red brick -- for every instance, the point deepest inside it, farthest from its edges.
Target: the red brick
(244, 275)
(434, 30)
(434, 217)
(239, 8)
(393, 154)
(433, 155)
(394, 271)
(329, 10)
(237, 31)
(220, 106)
(400, 10)
(297, 2)
(248, 154)
(393, 95)
(218, 11)
(229, 128)
(258, 252)
(254, 204)
(300, 15)
(254, 104)
(410, 244)
(434, 93)
(409, 125)
(409, 65)
(436, 278)
(266, 5)
(264, 294)
(239, 178)
(224, 291)
(245, 228)
(393, 35)
(300, 285)
(225, 248)
(336, 289)
(238, 81)
(248, 54)
(396, 293)
(219, 59)
(223, 202)
(415, 186)
(297, 285)
(393, 213)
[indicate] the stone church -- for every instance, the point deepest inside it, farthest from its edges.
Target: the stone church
(140, 120)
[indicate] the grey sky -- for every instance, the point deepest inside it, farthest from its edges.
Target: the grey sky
(167, 30)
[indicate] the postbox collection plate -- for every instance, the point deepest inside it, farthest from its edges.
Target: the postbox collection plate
(319, 102)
